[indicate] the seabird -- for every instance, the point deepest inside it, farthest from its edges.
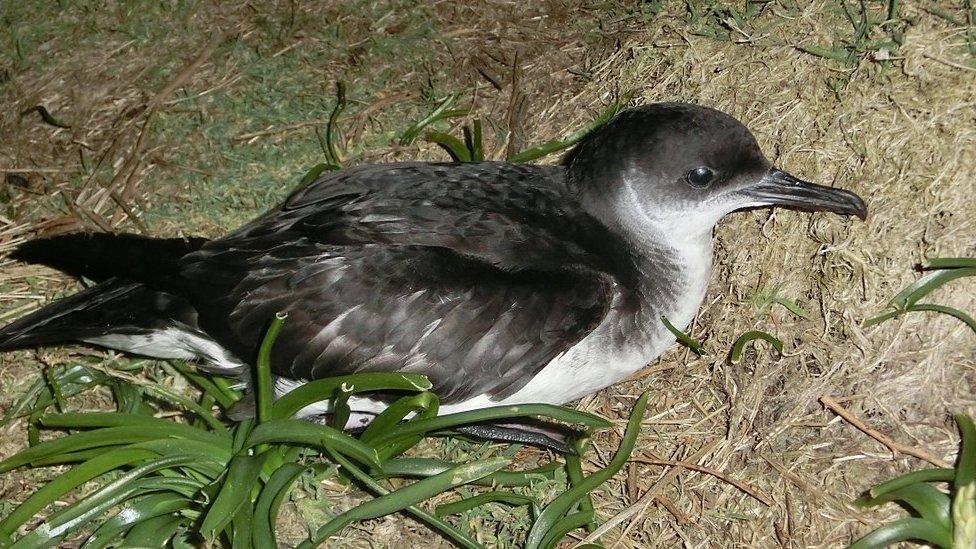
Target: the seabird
(503, 283)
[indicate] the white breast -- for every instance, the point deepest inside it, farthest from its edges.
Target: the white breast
(595, 363)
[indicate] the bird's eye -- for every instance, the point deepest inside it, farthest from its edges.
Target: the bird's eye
(701, 176)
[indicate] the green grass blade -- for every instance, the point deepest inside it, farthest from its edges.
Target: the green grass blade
(424, 403)
(243, 474)
(426, 467)
(440, 112)
(448, 421)
(331, 131)
(964, 500)
(113, 436)
(902, 530)
(555, 145)
(242, 527)
(942, 474)
(927, 501)
(454, 146)
(574, 472)
(297, 432)
(950, 263)
(313, 174)
(564, 526)
(927, 284)
(558, 508)
(740, 343)
(55, 386)
(951, 311)
(309, 393)
(408, 495)
(154, 532)
(466, 504)
(269, 501)
(684, 338)
(135, 511)
(65, 522)
(791, 306)
(966, 465)
(438, 524)
(73, 380)
(878, 319)
(474, 140)
(225, 397)
(264, 390)
(190, 406)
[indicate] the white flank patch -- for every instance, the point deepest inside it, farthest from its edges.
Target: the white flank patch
(171, 343)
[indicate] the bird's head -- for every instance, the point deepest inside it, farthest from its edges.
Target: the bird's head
(676, 169)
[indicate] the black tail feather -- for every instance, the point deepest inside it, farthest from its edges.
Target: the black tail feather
(100, 256)
(112, 307)
(133, 274)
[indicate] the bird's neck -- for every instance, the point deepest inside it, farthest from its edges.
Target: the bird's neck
(672, 279)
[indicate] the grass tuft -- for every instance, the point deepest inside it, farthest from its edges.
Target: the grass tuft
(197, 479)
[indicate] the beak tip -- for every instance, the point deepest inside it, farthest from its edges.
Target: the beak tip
(858, 207)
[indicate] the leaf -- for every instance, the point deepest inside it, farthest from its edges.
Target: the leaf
(264, 390)
(425, 405)
(135, 511)
(684, 338)
(564, 526)
(389, 418)
(441, 111)
(968, 320)
(293, 431)
(558, 508)
(927, 501)
(309, 393)
(64, 522)
(331, 132)
(574, 472)
(466, 504)
(269, 501)
(791, 306)
(434, 522)
(406, 496)
(555, 145)
(243, 474)
(905, 529)
(153, 532)
(950, 263)
(225, 397)
(942, 474)
(113, 436)
(454, 146)
(740, 343)
(966, 467)
(425, 467)
(474, 141)
(73, 380)
(313, 174)
(448, 421)
(927, 284)
(46, 116)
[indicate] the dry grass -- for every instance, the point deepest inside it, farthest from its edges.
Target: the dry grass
(902, 134)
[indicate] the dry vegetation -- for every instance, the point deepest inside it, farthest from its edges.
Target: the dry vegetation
(189, 119)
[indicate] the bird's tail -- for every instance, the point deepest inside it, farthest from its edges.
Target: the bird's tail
(129, 299)
(102, 256)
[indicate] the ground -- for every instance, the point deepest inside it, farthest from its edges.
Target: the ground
(189, 118)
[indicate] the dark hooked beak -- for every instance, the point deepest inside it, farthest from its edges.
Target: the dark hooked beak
(779, 188)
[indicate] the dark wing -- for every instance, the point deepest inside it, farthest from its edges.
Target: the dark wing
(470, 326)
(510, 216)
